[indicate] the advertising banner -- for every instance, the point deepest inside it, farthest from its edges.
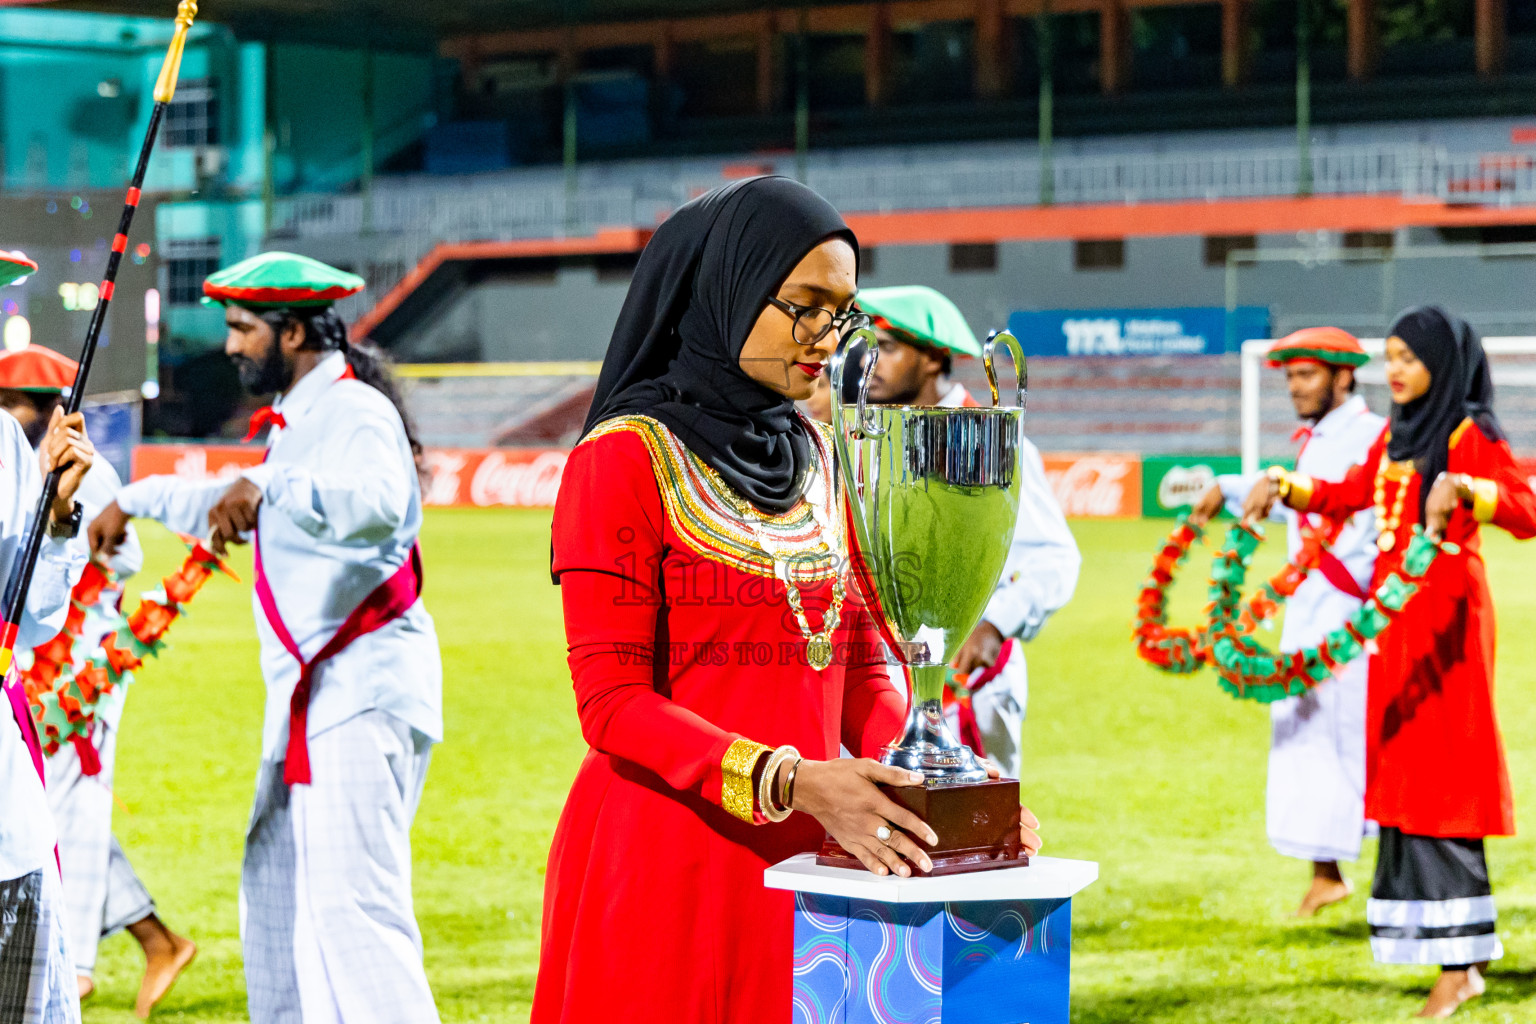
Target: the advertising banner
(1097, 485)
(1170, 484)
(494, 478)
(482, 478)
(194, 461)
(1181, 331)
(1089, 485)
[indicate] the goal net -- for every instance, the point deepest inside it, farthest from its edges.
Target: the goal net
(1268, 420)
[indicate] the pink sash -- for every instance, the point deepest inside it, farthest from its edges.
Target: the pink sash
(388, 601)
(22, 712)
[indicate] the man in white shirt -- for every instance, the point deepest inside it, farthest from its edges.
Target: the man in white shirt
(102, 892)
(348, 651)
(920, 332)
(37, 972)
(1316, 791)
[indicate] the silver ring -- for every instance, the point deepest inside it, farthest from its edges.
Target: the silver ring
(883, 833)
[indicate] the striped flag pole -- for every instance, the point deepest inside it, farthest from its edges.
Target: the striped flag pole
(21, 576)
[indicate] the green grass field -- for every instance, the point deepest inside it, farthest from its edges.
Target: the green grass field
(1159, 779)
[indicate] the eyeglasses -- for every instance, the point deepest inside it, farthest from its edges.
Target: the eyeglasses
(813, 322)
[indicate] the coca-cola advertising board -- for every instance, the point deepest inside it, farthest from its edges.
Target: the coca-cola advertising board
(497, 477)
(1097, 485)
(1094, 485)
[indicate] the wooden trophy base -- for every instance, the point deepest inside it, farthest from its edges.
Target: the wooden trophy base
(977, 825)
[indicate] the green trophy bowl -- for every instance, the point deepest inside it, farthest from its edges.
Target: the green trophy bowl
(934, 497)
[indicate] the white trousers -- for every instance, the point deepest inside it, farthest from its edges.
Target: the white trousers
(1315, 800)
(102, 893)
(999, 708)
(326, 920)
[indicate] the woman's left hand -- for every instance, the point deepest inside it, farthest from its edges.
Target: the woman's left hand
(1443, 498)
(1027, 821)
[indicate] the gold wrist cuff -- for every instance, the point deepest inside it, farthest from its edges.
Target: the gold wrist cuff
(1296, 491)
(736, 768)
(1485, 498)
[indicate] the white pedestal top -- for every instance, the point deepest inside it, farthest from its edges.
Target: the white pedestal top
(1045, 878)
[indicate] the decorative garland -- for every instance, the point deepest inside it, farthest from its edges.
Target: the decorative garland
(1171, 649)
(64, 699)
(1249, 670)
(1183, 651)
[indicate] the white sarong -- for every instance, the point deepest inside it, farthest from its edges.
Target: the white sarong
(102, 893)
(326, 920)
(37, 977)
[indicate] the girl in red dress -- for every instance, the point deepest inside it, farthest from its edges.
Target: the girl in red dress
(1435, 775)
(719, 653)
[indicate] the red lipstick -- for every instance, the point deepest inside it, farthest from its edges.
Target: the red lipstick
(812, 370)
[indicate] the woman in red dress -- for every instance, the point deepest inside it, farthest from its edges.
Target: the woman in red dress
(719, 654)
(1435, 775)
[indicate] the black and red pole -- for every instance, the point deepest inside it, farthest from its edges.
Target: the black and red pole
(21, 574)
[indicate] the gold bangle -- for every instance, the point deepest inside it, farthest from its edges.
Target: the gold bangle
(771, 809)
(789, 783)
(1281, 480)
(736, 769)
(1485, 498)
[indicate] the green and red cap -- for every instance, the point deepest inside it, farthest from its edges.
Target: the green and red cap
(280, 280)
(37, 369)
(924, 315)
(1328, 345)
(14, 266)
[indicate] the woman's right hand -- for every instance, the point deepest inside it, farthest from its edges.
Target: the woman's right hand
(842, 795)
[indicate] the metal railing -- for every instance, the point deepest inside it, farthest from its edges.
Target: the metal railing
(457, 211)
(406, 217)
(541, 205)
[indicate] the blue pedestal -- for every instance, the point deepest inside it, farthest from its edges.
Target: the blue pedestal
(985, 948)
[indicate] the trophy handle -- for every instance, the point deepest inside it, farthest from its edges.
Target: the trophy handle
(1020, 365)
(863, 424)
(845, 464)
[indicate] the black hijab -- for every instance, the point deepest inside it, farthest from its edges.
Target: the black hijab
(1460, 386)
(698, 289)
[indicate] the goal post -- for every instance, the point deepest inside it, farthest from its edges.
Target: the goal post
(1512, 359)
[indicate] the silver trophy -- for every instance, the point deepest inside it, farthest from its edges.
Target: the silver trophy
(935, 497)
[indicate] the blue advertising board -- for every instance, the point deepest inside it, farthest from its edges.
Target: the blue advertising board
(1182, 331)
(113, 423)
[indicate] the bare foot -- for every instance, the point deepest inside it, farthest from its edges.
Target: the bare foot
(1324, 892)
(87, 986)
(1452, 989)
(166, 955)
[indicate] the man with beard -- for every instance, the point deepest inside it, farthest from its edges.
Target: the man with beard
(920, 333)
(102, 892)
(349, 653)
(1316, 793)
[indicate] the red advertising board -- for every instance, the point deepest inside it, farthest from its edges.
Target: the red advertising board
(498, 477)
(1087, 485)
(194, 461)
(1096, 485)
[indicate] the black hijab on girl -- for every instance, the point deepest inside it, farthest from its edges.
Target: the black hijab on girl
(697, 291)
(1460, 387)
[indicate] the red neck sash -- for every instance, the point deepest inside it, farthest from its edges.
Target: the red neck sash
(386, 603)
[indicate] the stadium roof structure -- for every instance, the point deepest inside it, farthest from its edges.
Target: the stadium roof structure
(361, 19)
